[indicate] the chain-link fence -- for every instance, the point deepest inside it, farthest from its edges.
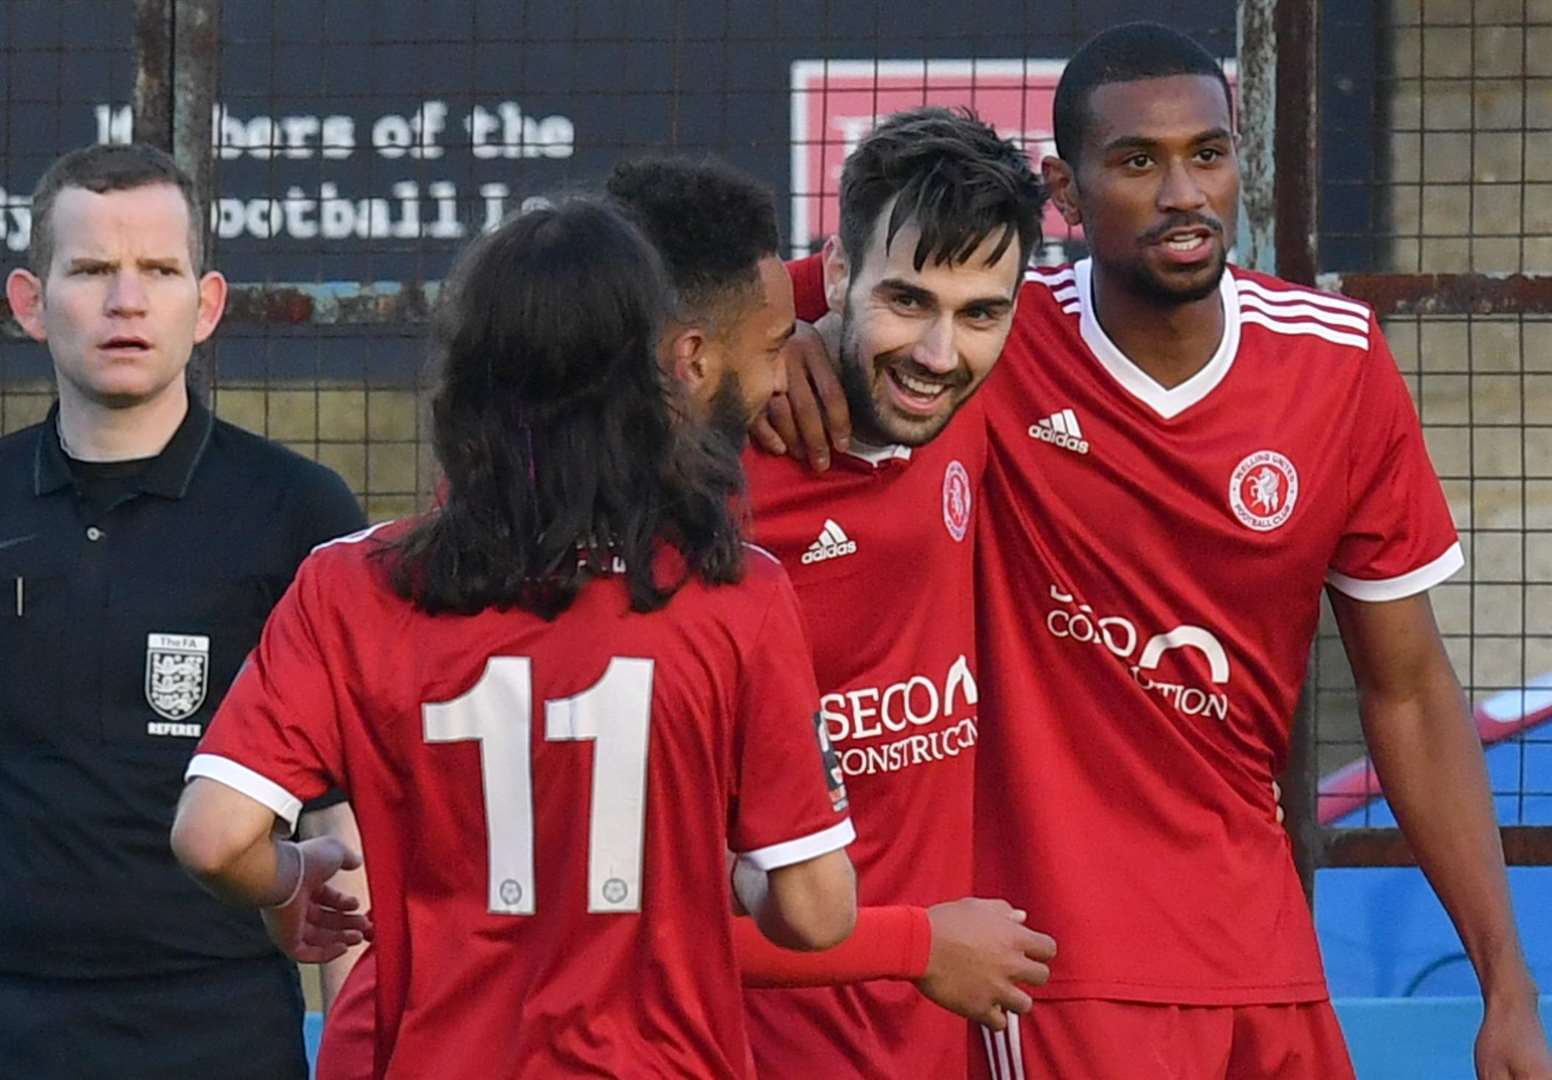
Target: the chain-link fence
(1441, 216)
(355, 145)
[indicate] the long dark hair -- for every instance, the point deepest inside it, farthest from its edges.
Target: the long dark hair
(567, 451)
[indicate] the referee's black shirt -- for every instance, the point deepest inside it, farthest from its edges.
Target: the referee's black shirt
(127, 605)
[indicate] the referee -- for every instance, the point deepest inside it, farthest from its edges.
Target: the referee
(142, 545)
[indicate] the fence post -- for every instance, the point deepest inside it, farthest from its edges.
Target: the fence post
(177, 69)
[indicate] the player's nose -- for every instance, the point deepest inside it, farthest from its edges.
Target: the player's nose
(935, 349)
(1180, 189)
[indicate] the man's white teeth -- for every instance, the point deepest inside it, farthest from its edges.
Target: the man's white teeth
(918, 386)
(1186, 243)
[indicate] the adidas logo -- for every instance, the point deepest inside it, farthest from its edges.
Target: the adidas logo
(1061, 429)
(832, 544)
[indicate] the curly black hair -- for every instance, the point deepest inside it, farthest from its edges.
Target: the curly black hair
(711, 222)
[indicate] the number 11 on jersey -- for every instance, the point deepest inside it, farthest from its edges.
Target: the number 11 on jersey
(616, 713)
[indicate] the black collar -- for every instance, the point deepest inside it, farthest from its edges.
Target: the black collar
(168, 475)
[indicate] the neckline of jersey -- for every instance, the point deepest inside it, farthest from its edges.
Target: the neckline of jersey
(877, 455)
(1168, 402)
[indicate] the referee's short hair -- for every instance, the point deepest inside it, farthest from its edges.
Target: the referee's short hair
(102, 169)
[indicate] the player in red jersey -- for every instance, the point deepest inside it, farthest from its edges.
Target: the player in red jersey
(938, 218)
(542, 908)
(716, 228)
(1181, 459)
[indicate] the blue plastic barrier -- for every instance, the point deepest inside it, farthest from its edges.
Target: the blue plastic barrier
(1390, 1038)
(1415, 1038)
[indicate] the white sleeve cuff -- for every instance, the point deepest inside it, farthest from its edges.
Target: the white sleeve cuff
(1398, 588)
(259, 788)
(803, 848)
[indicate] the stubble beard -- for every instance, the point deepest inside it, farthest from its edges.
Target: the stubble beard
(859, 377)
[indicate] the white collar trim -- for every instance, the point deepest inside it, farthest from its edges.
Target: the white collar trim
(1168, 403)
(877, 455)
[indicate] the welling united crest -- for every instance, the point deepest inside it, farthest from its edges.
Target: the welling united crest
(177, 673)
(1263, 489)
(956, 500)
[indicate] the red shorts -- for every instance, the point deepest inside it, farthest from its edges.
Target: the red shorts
(1122, 1040)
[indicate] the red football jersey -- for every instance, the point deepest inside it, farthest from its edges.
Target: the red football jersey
(545, 807)
(1149, 572)
(880, 551)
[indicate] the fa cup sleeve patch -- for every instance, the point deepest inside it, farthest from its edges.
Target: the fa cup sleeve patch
(834, 781)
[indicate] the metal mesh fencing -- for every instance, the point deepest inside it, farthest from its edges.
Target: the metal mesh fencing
(1441, 216)
(357, 145)
(64, 66)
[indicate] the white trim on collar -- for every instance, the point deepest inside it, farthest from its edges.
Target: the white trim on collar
(877, 455)
(1168, 403)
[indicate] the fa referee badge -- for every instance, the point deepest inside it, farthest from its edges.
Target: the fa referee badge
(177, 673)
(835, 781)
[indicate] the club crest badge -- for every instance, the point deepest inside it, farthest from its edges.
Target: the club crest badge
(1263, 490)
(956, 500)
(177, 673)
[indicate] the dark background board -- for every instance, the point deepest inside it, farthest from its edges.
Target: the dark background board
(613, 76)
(623, 77)
(306, 86)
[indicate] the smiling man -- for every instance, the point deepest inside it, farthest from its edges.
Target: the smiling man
(1183, 455)
(1148, 597)
(938, 218)
(142, 543)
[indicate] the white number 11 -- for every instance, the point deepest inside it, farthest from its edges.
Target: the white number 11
(616, 713)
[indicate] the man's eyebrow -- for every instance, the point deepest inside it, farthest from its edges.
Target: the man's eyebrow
(1143, 142)
(907, 288)
(996, 303)
(790, 329)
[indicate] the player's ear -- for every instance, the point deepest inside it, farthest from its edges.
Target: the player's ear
(684, 354)
(24, 292)
(1061, 183)
(837, 273)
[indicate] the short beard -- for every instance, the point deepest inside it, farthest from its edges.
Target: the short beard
(1157, 289)
(726, 414)
(858, 376)
(866, 421)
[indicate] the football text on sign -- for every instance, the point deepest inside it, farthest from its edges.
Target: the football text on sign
(434, 208)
